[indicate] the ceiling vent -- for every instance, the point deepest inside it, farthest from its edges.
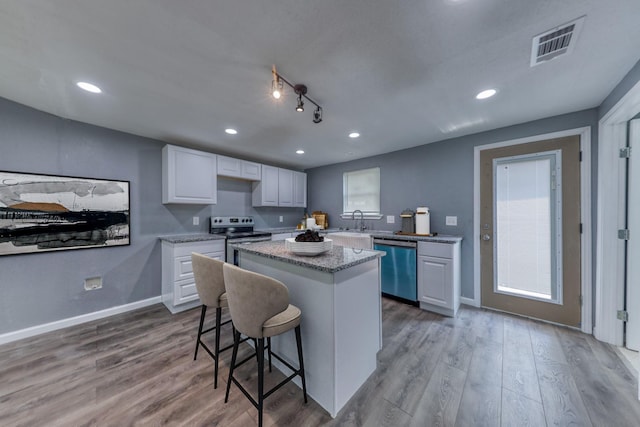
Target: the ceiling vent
(555, 42)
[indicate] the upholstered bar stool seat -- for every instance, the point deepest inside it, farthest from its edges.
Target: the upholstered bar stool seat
(259, 308)
(282, 322)
(209, 280)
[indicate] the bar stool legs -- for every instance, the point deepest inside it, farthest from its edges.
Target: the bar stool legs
(214, 354)
(300, 362)
(259, 404)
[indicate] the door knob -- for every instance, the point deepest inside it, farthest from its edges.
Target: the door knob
(486, 237)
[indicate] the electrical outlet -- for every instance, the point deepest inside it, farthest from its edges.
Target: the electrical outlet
(281, 218)
(196, 220)
(452, 220)
(92, 283)
(391, 219)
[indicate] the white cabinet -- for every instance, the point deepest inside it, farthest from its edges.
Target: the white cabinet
(439, 277)
(265, 192)
(188, 176)
(178, 285)
(299, 189)
(280, 187)
(285, 187)
(237, 168)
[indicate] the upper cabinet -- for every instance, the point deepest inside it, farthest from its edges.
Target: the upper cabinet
(188, 176)
(299, 189)
(280, 187)
(285, 187)
(265, 192)
(237, 168)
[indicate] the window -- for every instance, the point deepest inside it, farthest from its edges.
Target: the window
(528, 220)
(361, 190)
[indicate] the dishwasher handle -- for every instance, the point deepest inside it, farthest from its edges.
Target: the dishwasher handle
(393, 242)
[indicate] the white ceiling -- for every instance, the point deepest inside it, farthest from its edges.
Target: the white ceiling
(402, 73)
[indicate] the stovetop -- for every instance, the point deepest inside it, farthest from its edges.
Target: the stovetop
(235, 227)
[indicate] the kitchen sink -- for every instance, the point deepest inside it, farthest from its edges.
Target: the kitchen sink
(351, 239)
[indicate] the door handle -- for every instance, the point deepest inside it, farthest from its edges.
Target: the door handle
(486, 237)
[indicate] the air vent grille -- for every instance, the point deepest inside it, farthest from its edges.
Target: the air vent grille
(556, 42)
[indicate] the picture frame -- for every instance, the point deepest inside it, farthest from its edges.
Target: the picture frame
(42, 213)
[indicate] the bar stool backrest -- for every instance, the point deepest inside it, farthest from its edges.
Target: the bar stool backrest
(209, 278)
(253, 299)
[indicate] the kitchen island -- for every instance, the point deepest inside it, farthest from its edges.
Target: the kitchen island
(339, 295)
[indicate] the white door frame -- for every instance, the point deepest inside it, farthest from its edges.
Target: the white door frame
(585, 213)
(612, 135)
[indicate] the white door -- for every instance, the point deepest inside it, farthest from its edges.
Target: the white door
(633, 245)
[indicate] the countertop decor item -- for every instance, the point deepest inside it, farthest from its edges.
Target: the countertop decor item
(308, 248)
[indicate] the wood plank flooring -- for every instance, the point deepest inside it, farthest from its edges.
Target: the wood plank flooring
(479, 369)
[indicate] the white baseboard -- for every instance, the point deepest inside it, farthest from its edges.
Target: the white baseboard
(469, 301)
(72, 321)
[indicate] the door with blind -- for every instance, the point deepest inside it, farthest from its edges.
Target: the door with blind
(530, 230)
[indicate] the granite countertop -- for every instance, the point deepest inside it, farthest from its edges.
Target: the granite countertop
(186, 238)
(336, 259)
(440, 238)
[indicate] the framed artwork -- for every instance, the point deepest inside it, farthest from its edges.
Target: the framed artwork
(40, 213)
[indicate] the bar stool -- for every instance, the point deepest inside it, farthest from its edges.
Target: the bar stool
(259, 307)
(211, 290)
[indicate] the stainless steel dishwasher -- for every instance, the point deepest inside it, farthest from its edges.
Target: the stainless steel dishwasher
(399, 269)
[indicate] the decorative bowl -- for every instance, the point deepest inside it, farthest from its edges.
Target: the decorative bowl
(308, 248)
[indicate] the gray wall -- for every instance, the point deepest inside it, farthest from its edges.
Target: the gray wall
(45, 287)
(437, 175)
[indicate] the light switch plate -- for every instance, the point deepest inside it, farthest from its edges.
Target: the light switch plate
(452, 220)
(196, 220)
(281, 218)
(391, 219)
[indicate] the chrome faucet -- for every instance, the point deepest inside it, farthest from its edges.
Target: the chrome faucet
(353, 217)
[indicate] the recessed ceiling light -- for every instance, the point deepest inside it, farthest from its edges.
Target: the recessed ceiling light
(354, 135)
(300, 152)
(89, 87)
(486, 94)
(231, 131)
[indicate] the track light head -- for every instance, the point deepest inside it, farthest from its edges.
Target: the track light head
(300, 107)
(276, 88)
(317, 115)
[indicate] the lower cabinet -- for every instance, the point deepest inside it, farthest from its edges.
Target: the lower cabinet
(439, 277)
(178, 285)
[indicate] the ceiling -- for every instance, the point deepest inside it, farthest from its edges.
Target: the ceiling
(402, 73)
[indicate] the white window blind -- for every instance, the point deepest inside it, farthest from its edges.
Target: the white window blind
(361, 190)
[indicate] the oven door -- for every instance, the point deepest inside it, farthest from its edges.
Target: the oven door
(232, 253)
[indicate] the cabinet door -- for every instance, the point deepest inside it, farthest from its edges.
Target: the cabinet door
(299, 189)
(285, 187)
(228, 166)
(251, 170)
(188, 176)
(435, 281)
(265, 192)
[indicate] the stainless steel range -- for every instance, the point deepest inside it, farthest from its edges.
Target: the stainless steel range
(237, 229)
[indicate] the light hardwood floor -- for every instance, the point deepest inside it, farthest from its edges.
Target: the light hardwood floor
(479, 369)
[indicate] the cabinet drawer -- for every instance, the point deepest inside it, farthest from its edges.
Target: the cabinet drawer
(183, 269)
(439, 250)
(185, 291)
(208, 246)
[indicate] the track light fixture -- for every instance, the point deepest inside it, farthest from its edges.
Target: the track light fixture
(299, 89)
